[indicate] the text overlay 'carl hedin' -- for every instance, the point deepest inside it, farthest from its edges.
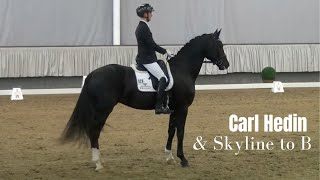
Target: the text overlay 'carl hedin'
(290, 123)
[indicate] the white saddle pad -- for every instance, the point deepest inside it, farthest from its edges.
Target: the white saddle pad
(144, 81)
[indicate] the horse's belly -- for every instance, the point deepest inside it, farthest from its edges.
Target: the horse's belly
(140, 100)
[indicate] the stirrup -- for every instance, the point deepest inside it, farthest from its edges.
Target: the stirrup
(163, 110)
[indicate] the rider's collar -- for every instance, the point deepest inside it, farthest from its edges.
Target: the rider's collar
(145, 22)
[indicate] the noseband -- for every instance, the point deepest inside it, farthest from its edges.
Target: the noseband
(219, 61)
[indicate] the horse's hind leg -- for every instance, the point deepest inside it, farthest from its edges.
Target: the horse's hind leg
(95, 130)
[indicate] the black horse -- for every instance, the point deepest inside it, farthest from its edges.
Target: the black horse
(112, 84)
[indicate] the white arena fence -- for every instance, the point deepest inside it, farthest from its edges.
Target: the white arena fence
(198, 88)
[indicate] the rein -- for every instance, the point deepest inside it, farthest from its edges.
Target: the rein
(219, 60)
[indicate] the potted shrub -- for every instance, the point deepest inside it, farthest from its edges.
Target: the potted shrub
(268, 74)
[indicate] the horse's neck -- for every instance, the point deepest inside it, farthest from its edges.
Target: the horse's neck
(189, 61)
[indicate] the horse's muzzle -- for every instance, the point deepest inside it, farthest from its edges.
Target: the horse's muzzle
(223, 67)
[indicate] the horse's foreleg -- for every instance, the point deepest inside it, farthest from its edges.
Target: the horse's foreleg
(180, 121)
(171, 132)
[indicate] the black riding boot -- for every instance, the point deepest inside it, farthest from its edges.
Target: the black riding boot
(161, 98)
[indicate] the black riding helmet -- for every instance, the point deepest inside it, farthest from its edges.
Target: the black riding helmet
(143, 8)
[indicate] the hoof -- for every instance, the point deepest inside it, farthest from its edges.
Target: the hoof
(184, 164)
(169, 158)
(98, 166)
(171, 161)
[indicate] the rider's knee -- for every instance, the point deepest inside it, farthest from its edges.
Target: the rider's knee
(164, 77)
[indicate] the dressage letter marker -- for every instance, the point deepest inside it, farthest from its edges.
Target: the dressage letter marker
(277, 87)
(16, 94)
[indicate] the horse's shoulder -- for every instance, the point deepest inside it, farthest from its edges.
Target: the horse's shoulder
(184, 87)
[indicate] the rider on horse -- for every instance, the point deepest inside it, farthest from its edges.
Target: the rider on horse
(147, 56)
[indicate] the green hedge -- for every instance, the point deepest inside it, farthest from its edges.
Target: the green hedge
(268, 73)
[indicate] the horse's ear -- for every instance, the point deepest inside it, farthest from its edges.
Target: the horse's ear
(215, 32)
(218, 33)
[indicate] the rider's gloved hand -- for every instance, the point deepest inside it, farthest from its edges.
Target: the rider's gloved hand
(169, 54)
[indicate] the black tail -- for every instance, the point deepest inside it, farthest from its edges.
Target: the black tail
(77, 129)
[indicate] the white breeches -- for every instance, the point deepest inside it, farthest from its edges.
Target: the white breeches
(155, 70)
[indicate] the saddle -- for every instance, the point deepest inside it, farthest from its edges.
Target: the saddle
(146, 82)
